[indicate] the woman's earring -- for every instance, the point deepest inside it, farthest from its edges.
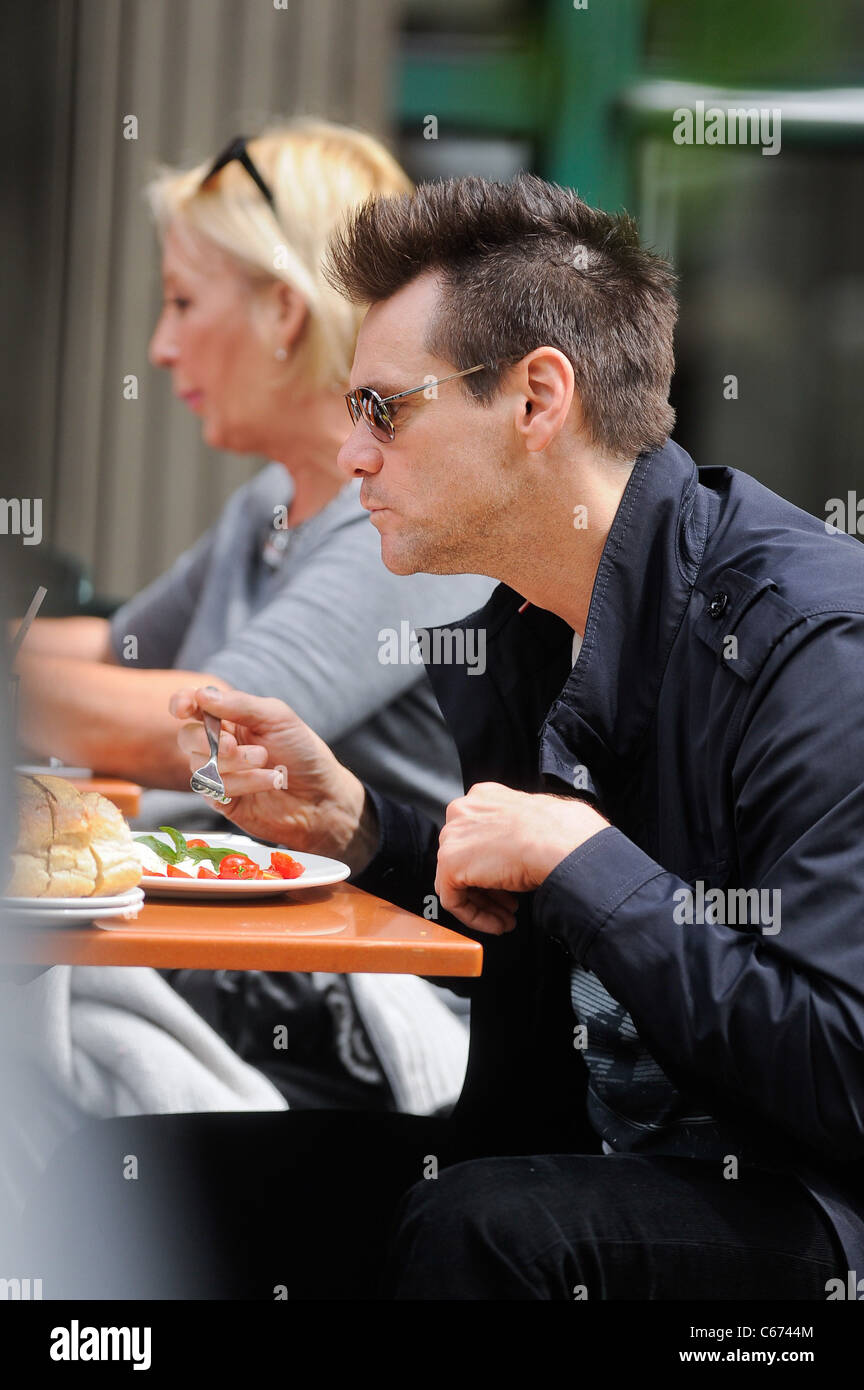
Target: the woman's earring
(281, 354)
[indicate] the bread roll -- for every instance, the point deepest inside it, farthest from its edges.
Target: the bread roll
(71, 863)
(35, 833)
(118, 866)
(70, 844)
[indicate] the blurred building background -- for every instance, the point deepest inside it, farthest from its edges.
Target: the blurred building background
(769, 247)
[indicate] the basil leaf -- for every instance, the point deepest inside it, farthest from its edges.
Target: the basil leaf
(213, 855)
(170, 856)
(179, 840)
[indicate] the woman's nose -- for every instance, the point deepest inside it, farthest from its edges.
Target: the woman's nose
(360, 454)
(163, 346)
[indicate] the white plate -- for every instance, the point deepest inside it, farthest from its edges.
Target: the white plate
(320, 871)
(131, 895)
(48, 914)
(40, 770)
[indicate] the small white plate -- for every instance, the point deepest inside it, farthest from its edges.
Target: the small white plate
(320, 871)
(40, 770)
(131, 895)
(46, 912)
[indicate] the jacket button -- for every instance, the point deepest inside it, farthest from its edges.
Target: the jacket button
(717, 606)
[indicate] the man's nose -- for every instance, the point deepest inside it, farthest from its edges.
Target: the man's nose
(163, 347)
(360, 455)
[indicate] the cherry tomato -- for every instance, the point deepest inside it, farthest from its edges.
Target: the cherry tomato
(197, 844)
(174, 872)
(204, 872)
(238, 866)
(284, 865)
(266, 873)
(153, 873)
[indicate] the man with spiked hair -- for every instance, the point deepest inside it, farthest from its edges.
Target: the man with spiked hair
(657, 1107)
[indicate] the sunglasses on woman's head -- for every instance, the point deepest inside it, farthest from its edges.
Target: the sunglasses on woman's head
(365, 404)
(236, 149)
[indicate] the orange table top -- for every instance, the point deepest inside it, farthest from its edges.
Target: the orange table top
(125, 795)
(339, 929)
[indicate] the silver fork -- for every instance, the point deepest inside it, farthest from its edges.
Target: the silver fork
(208, 779)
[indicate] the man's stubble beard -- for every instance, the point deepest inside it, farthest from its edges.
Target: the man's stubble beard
(450, 551)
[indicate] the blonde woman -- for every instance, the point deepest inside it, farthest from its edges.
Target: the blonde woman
(285, 595)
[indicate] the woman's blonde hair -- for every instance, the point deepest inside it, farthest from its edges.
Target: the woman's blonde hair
(317, 172)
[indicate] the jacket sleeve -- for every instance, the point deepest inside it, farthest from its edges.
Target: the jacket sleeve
(403, 869)
(768, 1016)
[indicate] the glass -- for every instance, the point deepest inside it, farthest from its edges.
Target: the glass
(236, 149)
(365, 404)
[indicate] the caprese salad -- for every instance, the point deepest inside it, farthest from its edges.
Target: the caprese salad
(182, 858)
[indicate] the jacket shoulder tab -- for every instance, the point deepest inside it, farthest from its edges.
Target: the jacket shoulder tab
(742, 619)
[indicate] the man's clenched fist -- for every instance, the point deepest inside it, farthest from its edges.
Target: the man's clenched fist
(497, 843)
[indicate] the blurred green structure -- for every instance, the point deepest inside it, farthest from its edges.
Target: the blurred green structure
(770, 343)
(556, 83)
(562, 73)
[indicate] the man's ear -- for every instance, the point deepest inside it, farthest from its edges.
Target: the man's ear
(545, 393)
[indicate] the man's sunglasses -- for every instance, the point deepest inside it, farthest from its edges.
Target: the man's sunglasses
(366, 405)
(236, 149)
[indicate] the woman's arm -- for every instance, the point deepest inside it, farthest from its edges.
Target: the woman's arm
(88, 703)
(106, 717)
(83, 639)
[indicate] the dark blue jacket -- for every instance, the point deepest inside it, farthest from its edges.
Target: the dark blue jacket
(734, 763)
